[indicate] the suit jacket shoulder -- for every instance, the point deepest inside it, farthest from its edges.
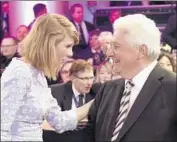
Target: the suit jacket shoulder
(59, 91)
(169, 83)
(95, 89)
(107, 27)
(89, 26)
(103, 95)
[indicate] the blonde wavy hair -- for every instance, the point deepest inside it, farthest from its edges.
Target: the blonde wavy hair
(39, 46)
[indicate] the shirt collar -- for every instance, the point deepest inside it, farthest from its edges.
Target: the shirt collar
(142, 76)
(78, 23)
(76, 93)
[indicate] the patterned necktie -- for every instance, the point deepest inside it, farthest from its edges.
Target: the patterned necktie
(123, 110)
(81, 103)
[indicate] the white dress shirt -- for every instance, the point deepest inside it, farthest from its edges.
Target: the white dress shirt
(84, 29)
(76, 94)
(139, 81)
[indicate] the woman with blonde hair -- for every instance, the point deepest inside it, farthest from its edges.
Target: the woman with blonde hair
(104, 72)
(26, 100)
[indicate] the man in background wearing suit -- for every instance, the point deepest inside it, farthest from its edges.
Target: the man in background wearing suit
(169, 35)
(38, 9)
(142, 106)
(72, 95)
(83, 27)
(113, 15)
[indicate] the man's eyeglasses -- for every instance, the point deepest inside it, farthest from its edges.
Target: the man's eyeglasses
(85, 78)
(7, 46)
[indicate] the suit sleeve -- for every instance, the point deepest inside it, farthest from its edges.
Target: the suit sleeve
(93, 112)
(57, 93)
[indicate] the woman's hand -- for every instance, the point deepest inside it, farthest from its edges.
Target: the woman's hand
(46, 126)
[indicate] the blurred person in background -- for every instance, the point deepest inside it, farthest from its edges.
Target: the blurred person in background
(82, 26)
(98, 56)
(64, 71)
(104, 72)
(21, 32)
(169, 35)
(167, 61)
(8, 51)
(38, 9)
(113, 15)
(105, 39)
(93, 53)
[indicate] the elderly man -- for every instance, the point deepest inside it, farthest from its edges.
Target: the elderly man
(142, 106)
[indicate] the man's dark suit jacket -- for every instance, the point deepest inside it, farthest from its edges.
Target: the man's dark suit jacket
(6, 61)
(107, 27)
(64, 94)
(89, 27)
(153, 116)
(82, 53)
(169, 35)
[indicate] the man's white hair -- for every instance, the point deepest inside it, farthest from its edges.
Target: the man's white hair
(105, 36)
(140, 30)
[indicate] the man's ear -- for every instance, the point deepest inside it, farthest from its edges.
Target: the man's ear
(143, 51)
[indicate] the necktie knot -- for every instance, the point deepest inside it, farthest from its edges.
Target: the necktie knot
(129, 85)
(81, 96)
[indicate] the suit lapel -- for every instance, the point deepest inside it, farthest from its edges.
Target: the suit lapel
(74, 24)
(67, 102)
(88, 97)
(146, 94)
(114, 110)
